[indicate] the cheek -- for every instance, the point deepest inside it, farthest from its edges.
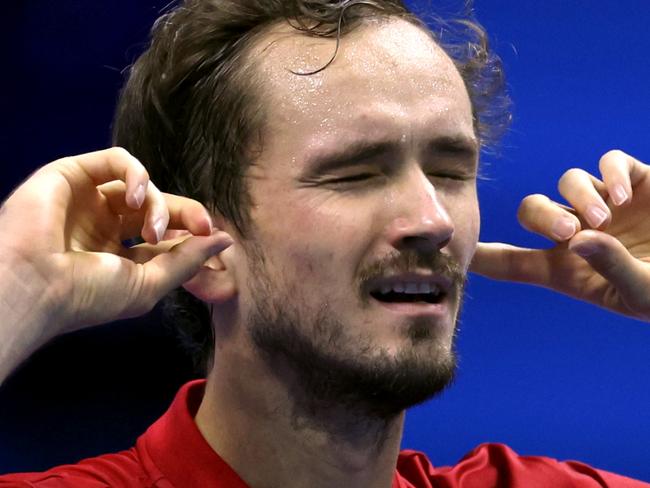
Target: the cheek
(467, 224)
(314, 243)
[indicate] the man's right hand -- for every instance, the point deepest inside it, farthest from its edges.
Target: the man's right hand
(62, 262)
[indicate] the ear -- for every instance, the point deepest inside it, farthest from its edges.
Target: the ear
(215, 282)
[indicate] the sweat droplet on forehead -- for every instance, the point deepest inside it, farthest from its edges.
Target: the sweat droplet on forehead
(395, 47)
(379, 58)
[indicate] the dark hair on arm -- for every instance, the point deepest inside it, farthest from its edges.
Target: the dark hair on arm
(192, 108)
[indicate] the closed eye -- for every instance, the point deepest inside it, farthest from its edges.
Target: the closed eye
(354, 178)
(452, 176)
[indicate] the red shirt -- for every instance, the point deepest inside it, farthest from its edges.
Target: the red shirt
(173, 453)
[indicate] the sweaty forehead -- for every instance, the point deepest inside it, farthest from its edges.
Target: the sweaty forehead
(383, 61)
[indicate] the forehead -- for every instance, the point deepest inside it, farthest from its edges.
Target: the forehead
(388, 74)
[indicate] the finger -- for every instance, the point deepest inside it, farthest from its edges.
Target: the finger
(107, 165)
(586, 194)
(620, 173)
(611, 259)
(184, 213)
(150, 221)
(505, 262)
(156, 217)
(141, 253)
(171, 269)
(541, 215)
(175, 233)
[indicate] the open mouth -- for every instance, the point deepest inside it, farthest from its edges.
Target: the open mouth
(429, 293)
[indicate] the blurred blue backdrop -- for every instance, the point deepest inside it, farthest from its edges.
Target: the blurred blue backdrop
(540, 372)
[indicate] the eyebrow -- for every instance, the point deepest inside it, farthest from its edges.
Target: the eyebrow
(459, 144)
(364, 150)
(356, 152)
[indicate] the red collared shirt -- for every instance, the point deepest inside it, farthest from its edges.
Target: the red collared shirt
(173, 453)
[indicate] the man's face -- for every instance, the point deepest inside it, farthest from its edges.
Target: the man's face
(365, 214)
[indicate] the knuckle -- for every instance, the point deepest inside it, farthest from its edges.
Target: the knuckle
(613, 153)
(611, 157)
(66, 161)
(67, 165)
(534, 199)
(120, 152)
(570, 176)
(528, 205)
(195, 207)
(123, 154)
(574, 173)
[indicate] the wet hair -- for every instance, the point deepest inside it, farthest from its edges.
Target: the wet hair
(192, 108)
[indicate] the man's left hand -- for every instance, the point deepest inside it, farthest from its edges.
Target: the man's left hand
(602, 250)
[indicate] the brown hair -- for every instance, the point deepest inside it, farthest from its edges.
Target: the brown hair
(191, 107)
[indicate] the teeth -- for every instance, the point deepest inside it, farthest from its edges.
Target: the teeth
(410, 288)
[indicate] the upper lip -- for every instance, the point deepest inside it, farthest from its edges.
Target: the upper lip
(443, 283)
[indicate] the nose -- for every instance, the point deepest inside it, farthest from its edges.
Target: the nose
(419, 219)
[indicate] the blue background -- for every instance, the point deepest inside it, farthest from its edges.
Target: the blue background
(540, 372)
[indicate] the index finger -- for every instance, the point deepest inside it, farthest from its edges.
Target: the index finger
(107, 165)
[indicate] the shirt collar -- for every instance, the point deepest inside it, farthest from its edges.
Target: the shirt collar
(178, 450)
(176, 447)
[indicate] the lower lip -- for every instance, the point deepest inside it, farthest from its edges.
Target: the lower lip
(417, 309)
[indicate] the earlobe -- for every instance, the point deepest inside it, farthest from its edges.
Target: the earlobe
(214, 283)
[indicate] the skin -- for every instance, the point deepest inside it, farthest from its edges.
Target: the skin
(68, 270)
(607, 262)
(72, 272)
(405, 191)
(416, 194)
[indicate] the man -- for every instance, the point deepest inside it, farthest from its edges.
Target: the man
(352, 228)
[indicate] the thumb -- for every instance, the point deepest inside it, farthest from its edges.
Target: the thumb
(170, 270)
(611, 259)
(506, 262)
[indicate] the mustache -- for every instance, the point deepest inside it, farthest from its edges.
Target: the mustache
(412, 261)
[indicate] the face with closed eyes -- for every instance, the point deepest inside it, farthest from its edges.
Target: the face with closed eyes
(365, 214)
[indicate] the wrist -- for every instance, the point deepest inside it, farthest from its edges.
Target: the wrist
(28, 313)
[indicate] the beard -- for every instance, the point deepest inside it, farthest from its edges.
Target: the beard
(329, 366)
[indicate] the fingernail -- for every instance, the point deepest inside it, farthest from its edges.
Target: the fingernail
(159, 228)
(139, 195)
(563, 228)
(619, 195)
(596, 216)
(584, 249)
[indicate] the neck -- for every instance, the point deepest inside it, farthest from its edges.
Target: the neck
(253, 418)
